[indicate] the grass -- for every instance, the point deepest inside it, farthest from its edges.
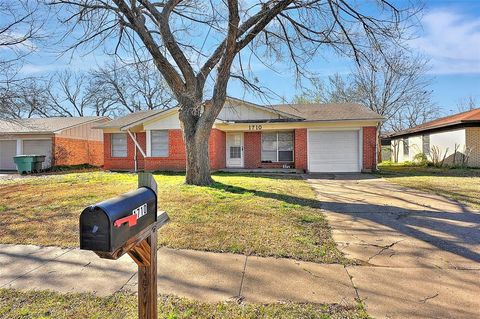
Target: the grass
(460, 184)
(261, 215)
(43, 304)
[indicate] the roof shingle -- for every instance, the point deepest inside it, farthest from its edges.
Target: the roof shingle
(459, 118)
(329, 111)
(44, 125)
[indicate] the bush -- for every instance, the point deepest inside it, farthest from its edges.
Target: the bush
(420, 159)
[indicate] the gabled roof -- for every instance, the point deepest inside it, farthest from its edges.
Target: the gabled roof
(44, 125)
(329, 111)
(285, 112)
(263, 107)
(472, 116)
(133, 118)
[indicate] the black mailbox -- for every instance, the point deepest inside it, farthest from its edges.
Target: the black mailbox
(106, 226)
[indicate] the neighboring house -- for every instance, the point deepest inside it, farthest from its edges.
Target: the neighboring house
(63, 140)
(310, 137)
(460, 132)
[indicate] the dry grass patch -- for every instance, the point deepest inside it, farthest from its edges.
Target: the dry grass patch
(462, 185)
(261, 215)
(43, 304)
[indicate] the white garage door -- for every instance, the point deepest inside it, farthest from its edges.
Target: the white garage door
(8, 149)
(39, 147)
(333, 151)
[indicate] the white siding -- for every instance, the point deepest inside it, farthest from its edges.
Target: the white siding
(237, 111)
(169, 122)
(445, 141)
(415, 147)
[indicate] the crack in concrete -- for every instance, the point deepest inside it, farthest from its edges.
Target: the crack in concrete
(428, 298)
(383, 248)
(126, 282)
(239, 298)
(353, 284)
(311, 273)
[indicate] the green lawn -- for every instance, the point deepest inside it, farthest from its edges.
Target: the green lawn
(249, 214)
(462, 185)
(42, 304)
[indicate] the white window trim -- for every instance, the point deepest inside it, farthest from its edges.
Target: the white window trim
(111, 145)
(277, 161)
(149, 143)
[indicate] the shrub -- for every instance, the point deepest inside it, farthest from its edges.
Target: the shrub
(420, 159)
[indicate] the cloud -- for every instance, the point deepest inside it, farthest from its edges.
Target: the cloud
(452, 41)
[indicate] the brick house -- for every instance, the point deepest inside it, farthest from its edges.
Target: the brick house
(460, 132)
(311, 137)
(63, 140)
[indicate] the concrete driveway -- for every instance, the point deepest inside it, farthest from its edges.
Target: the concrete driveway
(419, 253)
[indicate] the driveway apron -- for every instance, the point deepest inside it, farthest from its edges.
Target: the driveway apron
(418, 254)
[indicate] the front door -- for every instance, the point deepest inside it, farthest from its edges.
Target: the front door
(235, 149)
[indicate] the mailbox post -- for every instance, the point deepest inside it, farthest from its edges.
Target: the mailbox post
(128, 224)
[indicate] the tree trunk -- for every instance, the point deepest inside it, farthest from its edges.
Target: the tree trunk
(196, 147)
(198, 163)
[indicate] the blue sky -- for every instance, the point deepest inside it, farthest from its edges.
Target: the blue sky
(450, 37)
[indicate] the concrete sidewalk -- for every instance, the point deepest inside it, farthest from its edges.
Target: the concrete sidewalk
(203, 276)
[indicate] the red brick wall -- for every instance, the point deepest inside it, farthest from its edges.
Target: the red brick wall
(70, 151)
(369, 149)
(252, 149)
(217, 149)
(301, 149)
(176, 153)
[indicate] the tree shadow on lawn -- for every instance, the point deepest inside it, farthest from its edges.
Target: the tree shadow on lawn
(448, 231)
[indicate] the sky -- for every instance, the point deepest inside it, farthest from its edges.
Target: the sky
(449, 37)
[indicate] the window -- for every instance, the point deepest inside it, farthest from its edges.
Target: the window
(159, 143)
(235, 152)
(119, 145)
(277, 147)
(426, 144)
(405, 146)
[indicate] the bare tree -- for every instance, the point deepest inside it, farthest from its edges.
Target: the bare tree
(129, 87)
(467, 104)
(394, 87)
(20, 33)
(67, 94)
(28, 98)
(198, 46)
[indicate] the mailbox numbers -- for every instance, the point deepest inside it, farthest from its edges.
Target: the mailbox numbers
(255, 127)
(140, 211)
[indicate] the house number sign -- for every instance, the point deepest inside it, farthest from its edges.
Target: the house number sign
(255, 127)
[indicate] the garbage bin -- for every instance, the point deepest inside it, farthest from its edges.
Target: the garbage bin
(29, 163)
